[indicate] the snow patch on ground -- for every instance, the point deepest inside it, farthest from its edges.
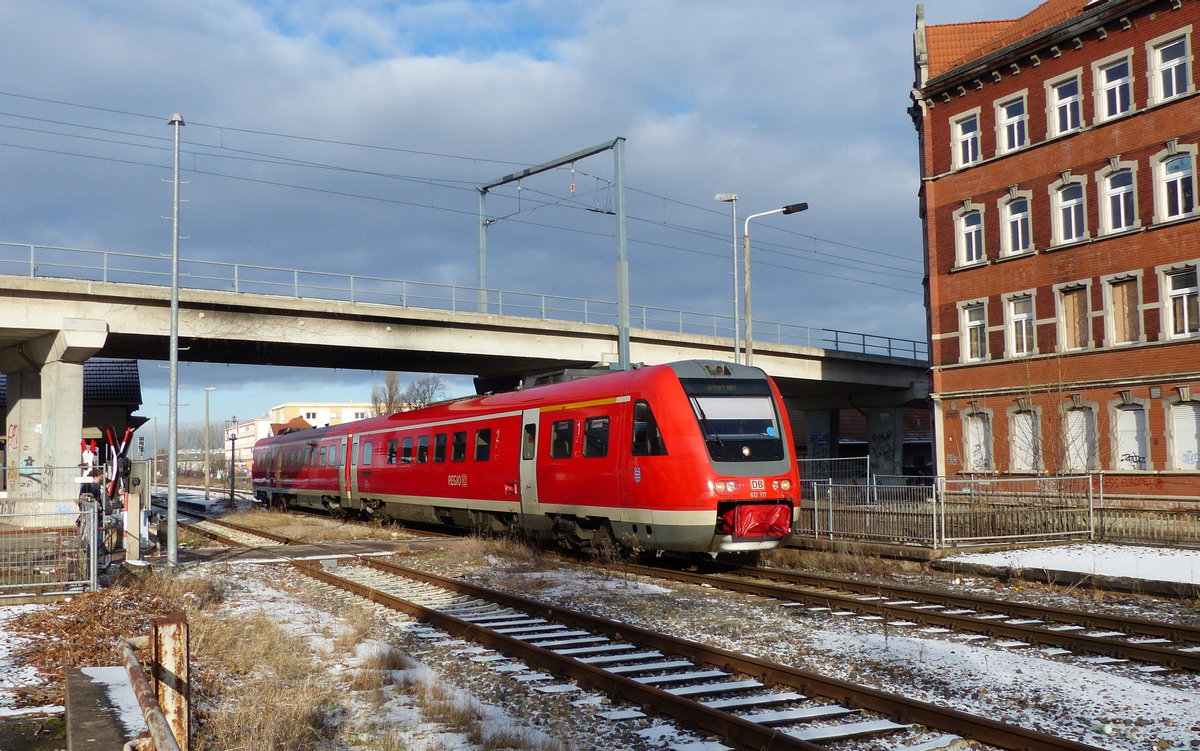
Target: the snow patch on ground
(1138, 562)
(11, 675)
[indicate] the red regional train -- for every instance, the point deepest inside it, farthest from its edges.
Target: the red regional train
(689, 456)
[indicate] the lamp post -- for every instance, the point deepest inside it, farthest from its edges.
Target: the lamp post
(793, 208)
(731, 198)
(232, 456)
(207, 450)
(176, 122)
(154, 461)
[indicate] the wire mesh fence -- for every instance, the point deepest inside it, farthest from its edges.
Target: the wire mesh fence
(941, 512)
(46, 547)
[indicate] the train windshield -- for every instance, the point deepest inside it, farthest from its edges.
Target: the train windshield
(737, 418)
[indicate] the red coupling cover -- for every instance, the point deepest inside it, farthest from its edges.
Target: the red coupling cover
(758, 520)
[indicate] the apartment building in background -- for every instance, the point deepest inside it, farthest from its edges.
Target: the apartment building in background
(1058, 159)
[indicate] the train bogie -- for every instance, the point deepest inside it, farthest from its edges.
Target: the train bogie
(693, 456)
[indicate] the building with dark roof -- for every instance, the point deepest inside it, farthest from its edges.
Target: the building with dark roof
(1062, 243)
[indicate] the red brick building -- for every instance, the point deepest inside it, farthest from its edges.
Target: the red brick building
(1062, 236)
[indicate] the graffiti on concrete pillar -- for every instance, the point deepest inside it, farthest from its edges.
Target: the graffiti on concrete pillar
(881, 446)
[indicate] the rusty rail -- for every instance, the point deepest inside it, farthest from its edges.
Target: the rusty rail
(156, 721)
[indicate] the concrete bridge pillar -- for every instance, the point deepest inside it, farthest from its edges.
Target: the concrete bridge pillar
(822, 433)
(44, 423)
(885, 440)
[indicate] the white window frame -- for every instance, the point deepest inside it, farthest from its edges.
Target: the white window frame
(1115, 408)
(967, 328)
(1102, 87)
(1027, 447)
(1058, 205)
(963, 239)
(1007, 126)
(1073, 103)
(1156, 66)
(1105, 189)
(1004, 205)
(984, 460)
(1015, 327)
(1060, 292)
(1110, 312)
(1071, 444)
(960, 141)
(1175, 299)
(1163, 203)
(1184, 449)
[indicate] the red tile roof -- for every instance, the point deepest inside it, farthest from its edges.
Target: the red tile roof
(952, 45)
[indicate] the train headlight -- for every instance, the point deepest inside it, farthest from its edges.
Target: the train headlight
(783, 485)
(728, 486)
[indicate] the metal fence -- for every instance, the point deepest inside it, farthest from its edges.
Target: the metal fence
(46, 547)
(941, 512)
(48, 261)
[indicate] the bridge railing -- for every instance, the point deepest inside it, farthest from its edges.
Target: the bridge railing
(55, 262)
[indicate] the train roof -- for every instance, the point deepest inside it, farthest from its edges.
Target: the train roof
(612, 383)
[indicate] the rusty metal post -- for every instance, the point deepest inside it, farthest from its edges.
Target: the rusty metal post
(156, 723)
(172, 687)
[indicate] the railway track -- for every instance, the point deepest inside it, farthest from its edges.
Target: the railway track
(746, 701)
(1161, 646)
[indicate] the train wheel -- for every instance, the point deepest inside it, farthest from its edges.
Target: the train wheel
(604, 547)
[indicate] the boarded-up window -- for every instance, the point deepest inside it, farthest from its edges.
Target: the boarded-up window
(978, 439)
(1185, 419)
(1075, 317)
(1131, 438)
(1126, 319)
(1023, 440)
(1079, 440)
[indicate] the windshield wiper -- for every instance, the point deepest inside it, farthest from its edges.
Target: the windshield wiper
(704, 423)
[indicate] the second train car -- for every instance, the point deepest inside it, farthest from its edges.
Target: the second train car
(689, 456)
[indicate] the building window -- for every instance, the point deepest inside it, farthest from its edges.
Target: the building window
(1022, 338)
(1177, 183)
(1131, 438)
(1125, 317)
(1016, 220)
(1183, 302)
(1013, 120)
(1074, 317)
(310, 415)
(1024, 441)
(966, 138)
(1069, 212)
(1079, 439)
(1116, 82)
(1120, 212)
(977, 440)
(1185, 426)
(974, 332)
(970, 237)
(1170, 76)
(1065, 115)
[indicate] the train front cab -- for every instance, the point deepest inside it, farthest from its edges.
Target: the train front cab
(717, 470)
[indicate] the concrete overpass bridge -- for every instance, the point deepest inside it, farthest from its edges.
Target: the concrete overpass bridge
(60, 306)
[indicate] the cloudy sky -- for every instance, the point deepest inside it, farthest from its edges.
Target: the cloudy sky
(347, 137)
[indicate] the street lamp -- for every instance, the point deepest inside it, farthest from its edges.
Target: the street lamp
(794, 208)
(731, 198)
(232, 456)
(207, 450)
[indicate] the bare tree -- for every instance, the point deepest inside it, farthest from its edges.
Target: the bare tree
(387, 398)
(424, 392)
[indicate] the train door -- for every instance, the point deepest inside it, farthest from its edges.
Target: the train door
(339, 465)
(528, 478)
(351, 494)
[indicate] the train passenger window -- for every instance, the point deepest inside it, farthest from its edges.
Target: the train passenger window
(595, 437)
(322, 456)
(562, 439)
(312, 451)
(647, 440)
(439, 447)
(483, 444)
(366, 454)
(528, 441)
(406, 456)
(391, 454)
(458, 447)
(422, 449)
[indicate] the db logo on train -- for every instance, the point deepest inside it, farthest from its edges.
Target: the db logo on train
(758, 484)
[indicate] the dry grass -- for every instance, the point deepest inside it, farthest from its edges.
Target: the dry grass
(314, 529)
(812, 560)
